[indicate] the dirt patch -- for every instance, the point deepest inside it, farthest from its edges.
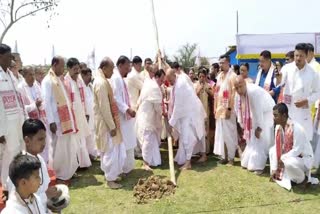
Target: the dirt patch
(153, 187)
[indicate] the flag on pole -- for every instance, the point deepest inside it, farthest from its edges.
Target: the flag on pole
(16, 47)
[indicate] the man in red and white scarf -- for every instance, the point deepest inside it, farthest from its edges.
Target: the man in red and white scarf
(75, 90)
(127, 114)
(291, 157)
(254, 106)
(33, 103)
(60, 121)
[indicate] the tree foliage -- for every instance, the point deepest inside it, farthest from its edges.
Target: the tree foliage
(186, 55)
(12, 11)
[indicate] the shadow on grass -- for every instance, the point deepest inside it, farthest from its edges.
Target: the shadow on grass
(133, 177)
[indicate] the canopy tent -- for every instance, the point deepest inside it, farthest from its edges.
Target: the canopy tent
(249, 46)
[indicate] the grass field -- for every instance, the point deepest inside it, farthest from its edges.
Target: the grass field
(207, 188)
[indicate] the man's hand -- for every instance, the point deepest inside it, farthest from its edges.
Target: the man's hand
(88, 117)
(165, 114)
(2, 140)
(302, 103)
(131, 112)
(257, 132)
(38, 103)
(53, 192)
(271, 93)
(280, 164)
(113, 133)
(273, 175)
(170, 129)
(53, 128)
(228, 114)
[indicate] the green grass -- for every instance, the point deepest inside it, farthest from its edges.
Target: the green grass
(207, 188)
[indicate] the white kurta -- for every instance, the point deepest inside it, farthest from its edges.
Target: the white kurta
(30, 96)
(187, 118)
(134, 82)
(298, 85)
(82, 125)
(148, 122)
(17, 206)
(12, 118)
(16, 80)
(119, 88)
(45, 180)
(295, 168)
(64, 146)
(261, 105)
(91, 146)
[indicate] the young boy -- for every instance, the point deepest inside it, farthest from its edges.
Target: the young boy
(34, 134)
(24, 173)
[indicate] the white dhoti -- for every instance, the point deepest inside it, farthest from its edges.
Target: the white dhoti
(295, 169)
(255, 155)
(129, 161)
(226, 133)
(316, 161)
(150, 148)
(82, 153)
(91, 146)
(11, 148)
(112, 161)
(188, 141)
(65, 161)
(130, 142)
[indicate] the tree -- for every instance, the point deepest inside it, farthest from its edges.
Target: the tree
(186, 55)
(12, 11)
(204, 61)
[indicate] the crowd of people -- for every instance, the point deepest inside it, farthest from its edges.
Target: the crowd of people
(68, 116)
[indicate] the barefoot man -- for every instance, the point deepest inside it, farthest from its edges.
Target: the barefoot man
(186, 116)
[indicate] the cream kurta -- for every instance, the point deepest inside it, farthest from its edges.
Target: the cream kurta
(299, 85)
(112, 149)
(148, 122)
(12, 118)
(261, 105)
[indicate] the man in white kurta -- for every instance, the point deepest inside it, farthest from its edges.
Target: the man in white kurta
(301, 89)
(75, 90)
(134, 82)
(226, 136)
(127, 114)
(86, 75)
(254, 108)
(291, 157)
(61, 122)
(33, 103)
(12, 115)
(148, 122)
(15, 75)
(186, 116)
(108, 135)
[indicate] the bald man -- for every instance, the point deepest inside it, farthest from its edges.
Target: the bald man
(107, 125)
(186, 116)
(254, 108)
(61, 121)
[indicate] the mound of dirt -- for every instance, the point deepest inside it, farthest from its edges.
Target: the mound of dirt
(153, 187)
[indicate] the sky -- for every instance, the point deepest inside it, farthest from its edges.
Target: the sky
(115, 27)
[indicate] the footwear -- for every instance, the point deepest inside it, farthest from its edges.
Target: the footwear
(230, 163)
(258, 172)
(113, 185)
(223, 161)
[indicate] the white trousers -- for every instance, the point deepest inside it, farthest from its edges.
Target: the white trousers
(295, 169)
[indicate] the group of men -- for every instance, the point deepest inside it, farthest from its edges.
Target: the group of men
(126, 112)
